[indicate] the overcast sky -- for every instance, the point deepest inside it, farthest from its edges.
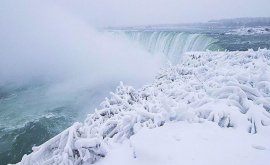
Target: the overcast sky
(143, 12)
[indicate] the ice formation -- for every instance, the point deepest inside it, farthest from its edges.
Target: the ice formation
(231, 89)
(250, 31)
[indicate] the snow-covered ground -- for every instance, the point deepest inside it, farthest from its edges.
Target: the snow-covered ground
(211, 108)
(250, 31)
(190, 144)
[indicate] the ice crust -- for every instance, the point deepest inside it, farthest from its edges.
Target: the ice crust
(250, 31)
(231, 89)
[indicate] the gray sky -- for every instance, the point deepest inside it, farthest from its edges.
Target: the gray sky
(142, 12)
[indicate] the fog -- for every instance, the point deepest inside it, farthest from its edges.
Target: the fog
(57, 41)
(43, 42)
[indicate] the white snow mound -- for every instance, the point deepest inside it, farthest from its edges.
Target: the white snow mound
(206, 90)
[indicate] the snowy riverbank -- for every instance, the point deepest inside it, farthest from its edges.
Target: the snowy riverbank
(175, 119)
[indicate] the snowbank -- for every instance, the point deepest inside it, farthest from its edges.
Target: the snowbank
(225, 89)
(186, 143)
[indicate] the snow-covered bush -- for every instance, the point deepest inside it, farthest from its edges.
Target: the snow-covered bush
(231, 89)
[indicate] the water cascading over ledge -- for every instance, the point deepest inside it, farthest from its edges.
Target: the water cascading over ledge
(173, 44)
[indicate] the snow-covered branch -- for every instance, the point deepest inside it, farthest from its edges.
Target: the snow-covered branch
(229, 88)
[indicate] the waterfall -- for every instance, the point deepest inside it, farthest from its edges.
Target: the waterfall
(172, 43)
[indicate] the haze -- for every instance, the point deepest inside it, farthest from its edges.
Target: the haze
(36, 35)
(41, 41)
